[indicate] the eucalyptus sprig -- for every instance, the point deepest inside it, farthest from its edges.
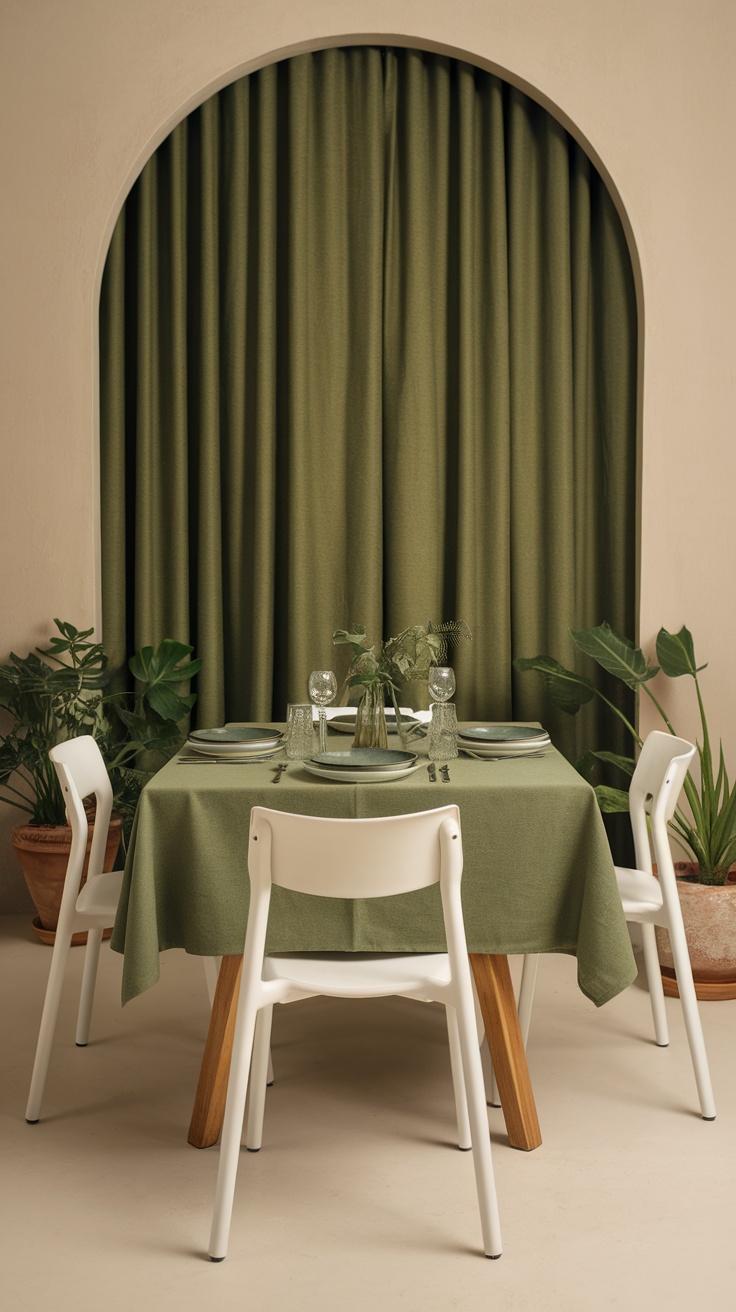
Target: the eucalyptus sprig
(710, 835)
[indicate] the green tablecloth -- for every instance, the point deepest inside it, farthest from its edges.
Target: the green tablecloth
(538, 874)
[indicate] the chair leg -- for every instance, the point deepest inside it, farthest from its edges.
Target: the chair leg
(49, 1017)
(211, 972)
(693, 1027)
(481, 1139)
(526, 994)
(258, 1079)
(458, 1081)
(232, 1129)
(89, 979)
(654, 984)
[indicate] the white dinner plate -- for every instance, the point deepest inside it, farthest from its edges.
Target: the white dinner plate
(235, 753)
(360, 776)
(497, 749)
(501, 735)
(227, 741)
(346, 723)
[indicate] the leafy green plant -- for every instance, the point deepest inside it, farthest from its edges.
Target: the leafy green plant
(708, 835)
(407, 658)
(61, 691)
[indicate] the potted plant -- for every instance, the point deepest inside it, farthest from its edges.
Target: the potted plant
(379, 673)
(59, 692)
(706, 830)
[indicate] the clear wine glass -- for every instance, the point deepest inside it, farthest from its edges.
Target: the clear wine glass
(441, 682)
(322, 690)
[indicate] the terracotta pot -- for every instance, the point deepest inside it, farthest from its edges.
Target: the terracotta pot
(43, 854)
(709, 916)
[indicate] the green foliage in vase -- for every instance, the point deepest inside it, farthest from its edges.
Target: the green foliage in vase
(708, 835)
(407, 658)
(59, 692)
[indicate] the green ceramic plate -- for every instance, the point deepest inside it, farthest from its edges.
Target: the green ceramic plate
(365, 758)
(247, 734)
(503, 733)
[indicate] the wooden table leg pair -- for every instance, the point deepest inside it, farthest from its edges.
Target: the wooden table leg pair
(498, 1006)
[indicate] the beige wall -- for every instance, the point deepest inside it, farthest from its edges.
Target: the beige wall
(89, 87)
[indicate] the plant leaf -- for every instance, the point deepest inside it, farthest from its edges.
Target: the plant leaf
(612, 801)
(615, 654)
(676, 653)
(566, 689)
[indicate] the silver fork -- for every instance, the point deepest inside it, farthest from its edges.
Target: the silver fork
(523, 757)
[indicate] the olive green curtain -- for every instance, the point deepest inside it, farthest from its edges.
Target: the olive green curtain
(368, 349)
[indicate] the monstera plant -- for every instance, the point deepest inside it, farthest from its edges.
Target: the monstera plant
(63, 690)
(707, 829)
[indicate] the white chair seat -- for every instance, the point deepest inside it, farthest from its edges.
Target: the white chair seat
(100, 896)
(641, 893)
(339, 974)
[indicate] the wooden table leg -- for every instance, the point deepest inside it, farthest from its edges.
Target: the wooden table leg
(498, 1006)
(209, 1102)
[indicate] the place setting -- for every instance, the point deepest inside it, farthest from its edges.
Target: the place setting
(345, 722)
(232, 745)
(500, 742)
(365, 765)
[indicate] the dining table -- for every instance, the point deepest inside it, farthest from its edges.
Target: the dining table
(538, 877)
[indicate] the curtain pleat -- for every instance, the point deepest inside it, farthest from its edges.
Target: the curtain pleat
(368, 354)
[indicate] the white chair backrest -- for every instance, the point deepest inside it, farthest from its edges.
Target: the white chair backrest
(655, 787)
(81, 772)
(355, 858)
(352, 859)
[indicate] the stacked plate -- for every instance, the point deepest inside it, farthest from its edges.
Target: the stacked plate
(500, 740)
(345, 722)
(364, 765)
(242, 743)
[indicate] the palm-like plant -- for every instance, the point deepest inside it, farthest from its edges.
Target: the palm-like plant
(708, 834)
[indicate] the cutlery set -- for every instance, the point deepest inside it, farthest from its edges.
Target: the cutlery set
(508, 757)
(444, 773)
(227, 760)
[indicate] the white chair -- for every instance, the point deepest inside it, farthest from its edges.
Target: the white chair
(648, 901)
(353, 859)
(81, 772)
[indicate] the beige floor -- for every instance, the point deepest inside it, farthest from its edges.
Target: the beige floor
(358, 1199)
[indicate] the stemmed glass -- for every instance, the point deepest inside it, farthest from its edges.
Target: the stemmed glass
(441, 682)
(322, 690)
(442, 745)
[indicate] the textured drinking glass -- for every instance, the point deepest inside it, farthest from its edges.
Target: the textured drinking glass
(322, 689)
(441, 682)
(299, 731)
(442, 744)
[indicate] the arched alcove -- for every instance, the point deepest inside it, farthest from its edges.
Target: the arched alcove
(202, 99)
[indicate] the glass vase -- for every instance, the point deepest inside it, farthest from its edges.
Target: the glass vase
(370, 719)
